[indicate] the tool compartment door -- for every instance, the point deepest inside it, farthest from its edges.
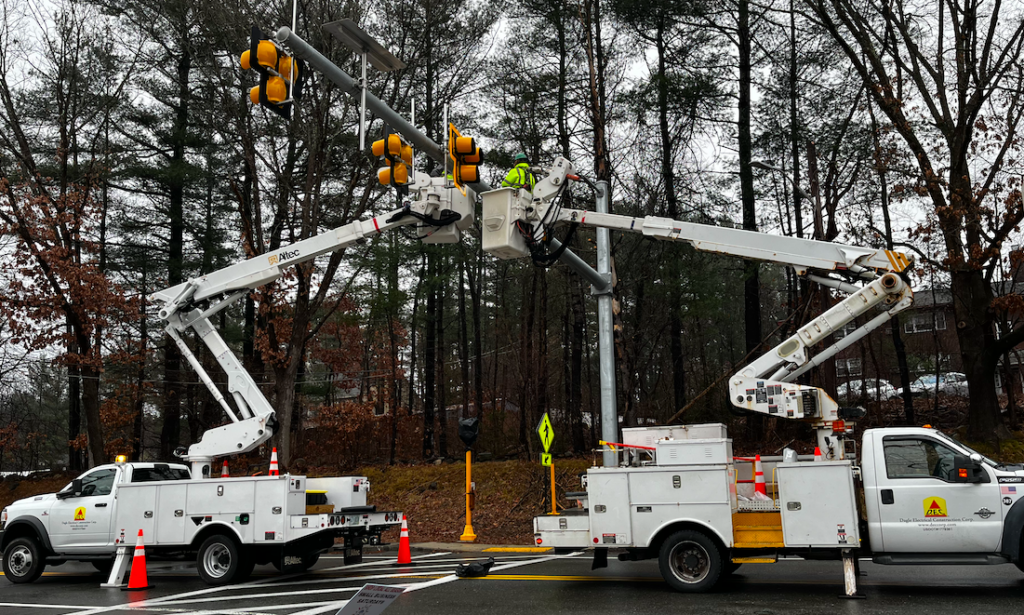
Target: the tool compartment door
(609, 508)
(818, 504)
(136, 510)
(670, 494)
(170, 522)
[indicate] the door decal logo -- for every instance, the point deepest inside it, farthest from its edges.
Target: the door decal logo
(80, 513)
(934, 507)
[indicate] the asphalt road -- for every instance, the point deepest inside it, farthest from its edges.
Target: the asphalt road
(529, 584)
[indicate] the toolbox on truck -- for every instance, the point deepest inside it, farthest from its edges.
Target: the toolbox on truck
(565, 530)
(818, 505)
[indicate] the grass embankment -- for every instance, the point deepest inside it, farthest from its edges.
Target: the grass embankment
(509, 495)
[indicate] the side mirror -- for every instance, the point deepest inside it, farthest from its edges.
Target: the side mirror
(967, 470)
(74, 491)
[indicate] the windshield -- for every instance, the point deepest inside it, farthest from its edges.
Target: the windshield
(991, 462)
(925, 380)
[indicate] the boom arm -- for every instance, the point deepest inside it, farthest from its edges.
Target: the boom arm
(440, 214)
(513, 219)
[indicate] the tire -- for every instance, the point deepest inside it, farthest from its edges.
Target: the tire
(24, 560)
(690, 562)
(219, 560)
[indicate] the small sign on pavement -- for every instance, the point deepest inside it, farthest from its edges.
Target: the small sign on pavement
(371, 600)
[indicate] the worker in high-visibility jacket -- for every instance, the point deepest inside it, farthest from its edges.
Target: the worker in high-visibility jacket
(520, 175)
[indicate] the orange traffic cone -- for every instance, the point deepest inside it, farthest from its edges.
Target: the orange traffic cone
(817, 453)
(138, 578)
(404, 556)
(273, 464)
(224, 470)
(759, 476)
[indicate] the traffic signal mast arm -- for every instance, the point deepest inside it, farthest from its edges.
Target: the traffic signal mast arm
(766, 384)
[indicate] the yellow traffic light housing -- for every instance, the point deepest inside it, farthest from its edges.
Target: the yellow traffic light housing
(398, 157)
(466, 156)
(281, 76)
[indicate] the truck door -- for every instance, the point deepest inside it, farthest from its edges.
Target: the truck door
(922, 511)
(84, 521)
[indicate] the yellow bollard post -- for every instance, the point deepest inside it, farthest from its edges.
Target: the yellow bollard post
(467, 534)
(554, 509)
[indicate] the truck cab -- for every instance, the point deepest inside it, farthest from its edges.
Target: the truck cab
(77, 521)
(930, 498)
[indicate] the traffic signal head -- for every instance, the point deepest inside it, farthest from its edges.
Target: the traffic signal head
(394, 146)
(399, 173)
(398, 157)
(281, 76)
(469, 430)
(466, 156)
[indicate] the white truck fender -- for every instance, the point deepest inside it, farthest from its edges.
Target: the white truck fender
(674, 525)
(215, 527)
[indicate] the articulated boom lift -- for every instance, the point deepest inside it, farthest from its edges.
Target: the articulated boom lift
(440, 214)
(515, 220)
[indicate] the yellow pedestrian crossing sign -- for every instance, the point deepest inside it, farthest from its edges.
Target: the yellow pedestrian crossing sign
(545, 459)
(547, 433)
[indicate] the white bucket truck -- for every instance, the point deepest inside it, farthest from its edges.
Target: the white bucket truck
(230, 524)
(914, 497)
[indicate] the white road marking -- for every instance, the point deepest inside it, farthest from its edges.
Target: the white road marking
(167, 603)
(332, 606)
(269, 580)
(305, 592)
(43, 606)
(450, 578)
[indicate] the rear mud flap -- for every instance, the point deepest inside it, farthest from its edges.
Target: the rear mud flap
(353, 556)
(600, 559)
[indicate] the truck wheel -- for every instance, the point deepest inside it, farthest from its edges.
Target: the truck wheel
(218, 560)
(23, 560)
(690, 562)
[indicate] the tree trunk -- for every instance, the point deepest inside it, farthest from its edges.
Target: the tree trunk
(478, 351)
(751, 270)
(442, 360)
(171, 432)
(429, 357)
(577, 343)
(463, 338)
(74, 404)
